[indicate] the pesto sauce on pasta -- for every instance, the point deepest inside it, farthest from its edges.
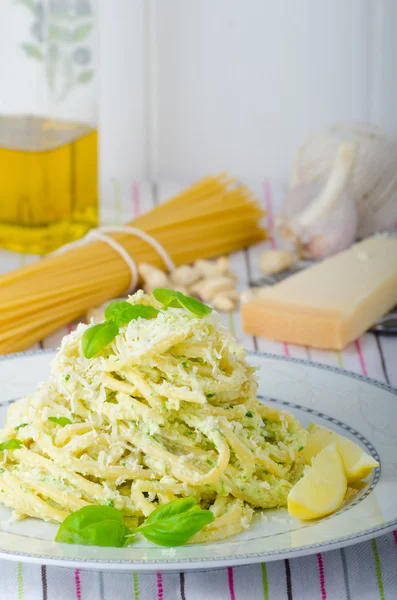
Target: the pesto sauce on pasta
(166, 410)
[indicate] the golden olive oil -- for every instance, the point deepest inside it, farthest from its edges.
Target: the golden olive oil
(48, 182)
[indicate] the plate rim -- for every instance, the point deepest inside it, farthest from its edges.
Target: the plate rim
(210, 563)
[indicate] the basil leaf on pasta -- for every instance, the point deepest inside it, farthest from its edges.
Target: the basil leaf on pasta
(168, 298)
(97, 337)
(122, 312)
(171, 298)
(193, 305)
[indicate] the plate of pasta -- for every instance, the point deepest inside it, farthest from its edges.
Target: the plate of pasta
(154, 441)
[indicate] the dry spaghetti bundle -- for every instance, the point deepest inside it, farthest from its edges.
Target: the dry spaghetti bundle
(210, 218)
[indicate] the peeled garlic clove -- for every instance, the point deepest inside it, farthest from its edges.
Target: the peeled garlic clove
(207, 268)
(152, 277)
(223, 303)
(232, 294)
(211, 287)
(275, 261)
(185, 275)
(181, 288)
(196, 288)
(223, 266)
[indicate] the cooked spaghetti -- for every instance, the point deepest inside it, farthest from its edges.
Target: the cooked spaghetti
(168, 409)
(213, 217)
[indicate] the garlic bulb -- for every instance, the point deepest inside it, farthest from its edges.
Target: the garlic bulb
(373, 179)
(320, 218)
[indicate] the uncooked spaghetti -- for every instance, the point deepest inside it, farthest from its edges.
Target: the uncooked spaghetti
(213, 217)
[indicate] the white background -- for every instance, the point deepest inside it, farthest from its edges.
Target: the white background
(23, 85)
(190, 87)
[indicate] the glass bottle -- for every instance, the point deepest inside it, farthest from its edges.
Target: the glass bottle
(48, 113)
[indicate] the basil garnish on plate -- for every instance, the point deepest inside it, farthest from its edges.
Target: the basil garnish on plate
(94, 526)
(175, 523)
(172, 524)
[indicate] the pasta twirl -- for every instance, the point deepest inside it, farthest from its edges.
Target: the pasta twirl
(168, 409)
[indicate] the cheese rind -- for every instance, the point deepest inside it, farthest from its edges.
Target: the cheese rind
(332, 303)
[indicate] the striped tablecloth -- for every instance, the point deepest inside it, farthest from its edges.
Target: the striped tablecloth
(367, 571)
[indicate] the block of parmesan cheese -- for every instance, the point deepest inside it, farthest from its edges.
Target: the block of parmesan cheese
(332, 303)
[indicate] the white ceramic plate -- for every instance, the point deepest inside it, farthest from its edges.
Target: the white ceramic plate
(362, 409)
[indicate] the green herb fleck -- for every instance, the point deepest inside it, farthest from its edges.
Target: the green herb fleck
(249, 414)
(13, 444)
(300, 448)
(21, 425)
(185, 364)
(210, 395)
(62, 421)
(109, 503)
(67, 377)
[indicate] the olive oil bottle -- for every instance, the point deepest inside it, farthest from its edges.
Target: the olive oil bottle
(48, 182)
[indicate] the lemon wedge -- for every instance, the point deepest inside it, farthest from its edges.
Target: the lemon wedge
(358, 464)
(322, 488)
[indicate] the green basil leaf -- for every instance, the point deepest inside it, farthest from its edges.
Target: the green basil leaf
(62, 421)
(21, 425)
(11, 445)
(122, 312)
(178, 529)
(171, 509)
(177, 299)
(193, 305)
(167, 297)
(97, 337)
(94, 526)
(175, 523)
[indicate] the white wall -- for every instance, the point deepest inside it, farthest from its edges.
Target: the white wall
(208, 85)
